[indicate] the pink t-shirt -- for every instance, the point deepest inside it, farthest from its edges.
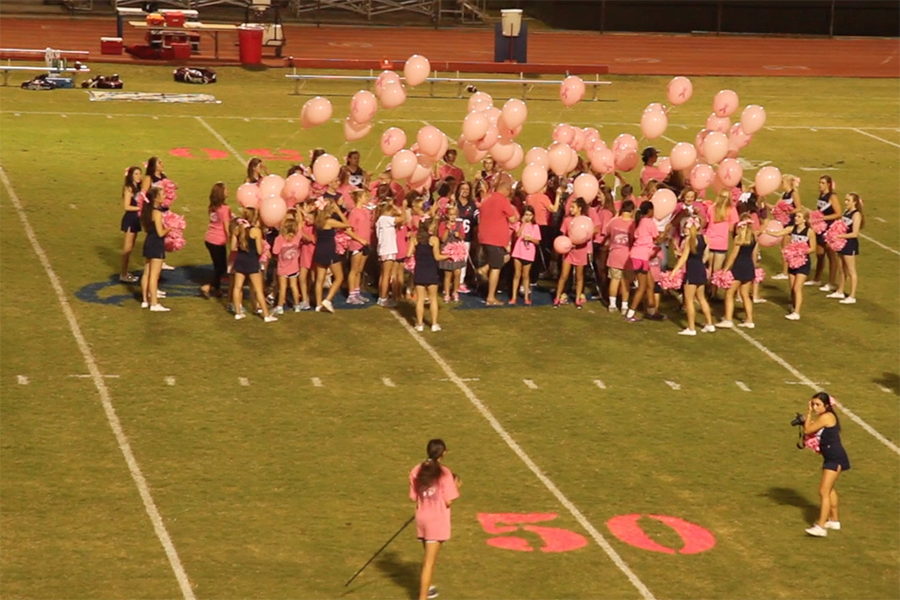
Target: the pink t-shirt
(307, 248)
(599, 217)
(644, 235)
(432, 512)
(718, 233)
(360, 220)
(288, 253)
(218, 222)
(402, 232)
(620, 233)
(578, 255)
(648, 173)
(526, 250)
(344, 191)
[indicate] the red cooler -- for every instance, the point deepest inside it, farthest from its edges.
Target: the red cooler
(250, 42)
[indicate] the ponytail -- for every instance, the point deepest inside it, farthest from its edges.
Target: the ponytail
(859, 207)
(643, 211)
(430, 470)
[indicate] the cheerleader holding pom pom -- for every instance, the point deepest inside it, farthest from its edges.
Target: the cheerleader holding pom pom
(844, 238)
(741, 264)
(247, 239)
(797, 255)
(694, 256)
(131, 220)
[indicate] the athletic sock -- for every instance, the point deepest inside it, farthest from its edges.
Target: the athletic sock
(612, 302)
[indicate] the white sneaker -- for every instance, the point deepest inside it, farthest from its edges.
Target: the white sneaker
(759, 301)
(160, 294)
(624, 310)
(327, 305)
(708, 329)
(836, 525)
(848, 300)
(239, 316)
(159, 308)
(420, 328)
(687, 331)
(812, 282)
(747, 325)
(792, 316)
(838, 295)
(817, 531)
(725, 324)
(613, 309)
(270, 319)
(432, 592)
(278, 310)
(827, 288)
(780, 277)
(167, 267)
(435, 327)
(145, 305)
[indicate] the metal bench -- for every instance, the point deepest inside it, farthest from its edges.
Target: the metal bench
(55, 61)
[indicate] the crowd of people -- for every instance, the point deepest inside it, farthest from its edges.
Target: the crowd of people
(432, 245)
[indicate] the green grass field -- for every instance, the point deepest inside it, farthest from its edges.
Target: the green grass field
(270, 486)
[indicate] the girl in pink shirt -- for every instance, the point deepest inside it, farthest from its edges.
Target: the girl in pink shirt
(217, 238)
(601, 212)
(619, 237)
(645, 232)
(360, 220)
(450, 231)
(287, 249)
(721, 217)
(577, 257)
(307, 250)
(528, 237)
(433, 487)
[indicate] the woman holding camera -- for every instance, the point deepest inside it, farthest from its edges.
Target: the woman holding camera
(826, 426)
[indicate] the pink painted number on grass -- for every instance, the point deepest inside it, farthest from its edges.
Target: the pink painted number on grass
(555, 539)
(211, 153)
(696, 539)
(281, 154)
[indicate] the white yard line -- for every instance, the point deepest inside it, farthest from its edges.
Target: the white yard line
(875, 137)
(523, 456)
(600, 384)
(813, 386)
(531, 384)
(170, 380)
(317, 382)
(742, 386)
(243, 381)
(106, 399)
(223, 141)
(879, 244)
(673, 385)
(388, 382)
(22, 379)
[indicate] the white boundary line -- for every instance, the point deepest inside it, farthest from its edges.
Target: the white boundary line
(876, 137)
(114, 423)
(222, 141)
(812, 385)
(495, 424)
(879, 244)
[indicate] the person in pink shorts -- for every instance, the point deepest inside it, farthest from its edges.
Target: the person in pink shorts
(577, 257)
(433, 487)
(528, 237)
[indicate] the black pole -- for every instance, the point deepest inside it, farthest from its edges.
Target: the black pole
(399, 531)
(719, 19)
(831, 21)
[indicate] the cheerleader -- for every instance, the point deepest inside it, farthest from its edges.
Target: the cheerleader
(790, 188)
(742, 264)
(357, 177)
(153, 174)
(427, 251)
(325, 258)
(154, 250)
(619, 237)
(528, 238)
(693, 258)
(830, 206)
(247, 238)
(131, 220)
(645, 233)
(576, 257)
(800, 232)
(433, 487)
(855, 220)
(821, 420)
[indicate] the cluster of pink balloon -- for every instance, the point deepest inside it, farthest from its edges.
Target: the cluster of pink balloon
(274, 194)
(414, 164)
(488, 130)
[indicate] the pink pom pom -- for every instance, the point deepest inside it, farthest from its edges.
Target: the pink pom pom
(760, 275)
(672, 280)
(174, 241)
(341, 242)
(831, 236)
(817, 221)
(782, 212)
(266, 253)
(168, 191)
(722, 279)
(456, 251)
(796, 254)
(811, 441)
(175, 223)
(141, 197)
(410, 263)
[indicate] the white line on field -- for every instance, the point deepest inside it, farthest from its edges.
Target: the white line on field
(222, 141)
(887, 390)
(105, 397)
(388, 382)
(668, 139)
(89, 375)
(812, 385)
(673, 385)
(600, 384)
(514, 446)
(317, 382)
(531, 384)
(879, 244)
(461, 379)
(880, 219)
(22, 379)
(875, 137)
(170, 380)
(816, 383)
(742, 386)
(243, 381)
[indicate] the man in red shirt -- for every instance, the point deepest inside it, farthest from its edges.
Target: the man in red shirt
(494, 234)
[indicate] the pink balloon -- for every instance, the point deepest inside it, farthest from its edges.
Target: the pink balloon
(768, 179)
(392, 141)
(534, 178)
(392, 95)
(562, 244)
(595, 144)
(679, 90)
(363, 106)
(403, 164)
(480, 101)
(625, 141)
(655, 107)
(626, 159)
(506, 133)
(538, 156)
(753, 118)
(581, 229)
(730, 172)
(419, 175)
(316, 111)
(516, 159)
(603, 160)
(429, 140)
(355, 131)
(326, 169)
(272, 210)
(384, 79)
(564, 134)
(424, 186)
(571, 90)
(425, 160)
(715, 147)
(502, 152)
(716, 123)
(578, 142)
(473, 154)
(664, 201)
(514, 113)
(683, 155)
(573, 162)
(701, 137)
(701, 176)
(416, 70)
(653, 124)
(493, 114)
(766, 239)
(558, 156)
(445, 144)
(271, 185)
(665, 165)
(590, 134)
(490, 138)
(248, 195)
(474, 126)
(585, 186)
(740, 138)
(725, 103)
(296, 188)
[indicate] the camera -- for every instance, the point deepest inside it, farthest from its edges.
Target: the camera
(798, 420)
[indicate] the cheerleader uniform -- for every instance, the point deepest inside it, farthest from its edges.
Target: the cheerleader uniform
(743, 269)
(357, 178)
(851, 248)
(247, 261)
(833, 453)
(154, 245)
(696, 270)
(131, 220)
(325, 253)
(801, 236)
(823, 205)
(426, 272)
(788, 198)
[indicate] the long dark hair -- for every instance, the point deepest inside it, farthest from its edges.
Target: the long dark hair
(147, 210)
(251, 169)
(151, 167)
(129, 180)
(829, 406)
(645, 209)
(216, 196)
(423, 233)
(430, 470)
